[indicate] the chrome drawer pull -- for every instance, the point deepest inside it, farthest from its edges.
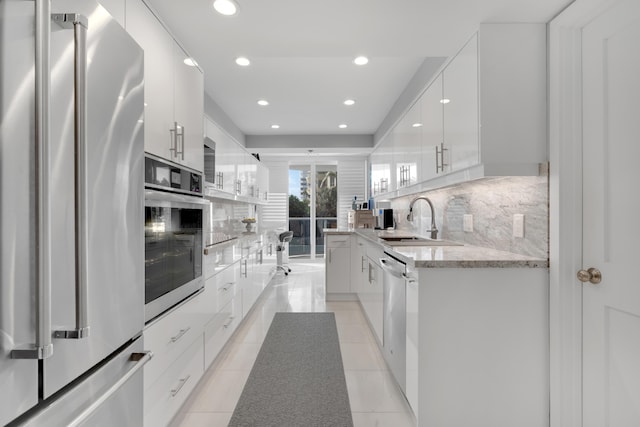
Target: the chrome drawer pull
(227, 286)
(183, 381)
(180, 334)
(226, 325)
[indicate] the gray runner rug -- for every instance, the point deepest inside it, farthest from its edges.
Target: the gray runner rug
(298, 377)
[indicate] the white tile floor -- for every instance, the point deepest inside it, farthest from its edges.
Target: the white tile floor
(375, 398)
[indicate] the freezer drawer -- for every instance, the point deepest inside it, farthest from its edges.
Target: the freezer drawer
(122, 408)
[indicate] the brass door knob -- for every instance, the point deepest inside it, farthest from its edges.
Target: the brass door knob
(592, 275)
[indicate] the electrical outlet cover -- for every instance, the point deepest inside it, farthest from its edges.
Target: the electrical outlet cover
(518, 225)
(467, 223)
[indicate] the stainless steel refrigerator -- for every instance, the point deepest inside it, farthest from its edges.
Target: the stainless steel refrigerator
(71, 216)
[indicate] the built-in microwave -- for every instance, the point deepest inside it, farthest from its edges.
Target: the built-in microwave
(173, 235)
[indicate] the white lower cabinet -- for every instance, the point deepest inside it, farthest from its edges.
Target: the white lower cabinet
(187, 339)
(228, 285)
(338, 266)
(478, 338)
(219, 330)
(370, 293)
(169, 337)
(164, 398)
(412, 323)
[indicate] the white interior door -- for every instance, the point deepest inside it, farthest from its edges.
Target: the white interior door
(611, 206)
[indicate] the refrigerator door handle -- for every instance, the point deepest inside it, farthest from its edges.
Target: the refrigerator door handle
(43, 348)
(79, 25)
(141, 359)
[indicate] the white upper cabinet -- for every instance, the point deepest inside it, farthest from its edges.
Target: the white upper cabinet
(484, 114)
(239, 175)
(226, 162)
(431, 154)
(407, 141)
(460, 104)
(173, 92)
(189, 109)
(513, 97)
(262, 183)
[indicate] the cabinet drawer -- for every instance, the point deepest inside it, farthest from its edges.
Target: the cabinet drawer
(339, 241)
(165, 397)
(219, 330)
(226, 286)
(226, 293)
(168, 337)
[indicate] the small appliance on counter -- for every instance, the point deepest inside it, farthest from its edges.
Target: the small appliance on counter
(384, 219)
(387, 218)
(361, 219)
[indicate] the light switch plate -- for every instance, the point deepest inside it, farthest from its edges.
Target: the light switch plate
(467, 223)
(518, 225)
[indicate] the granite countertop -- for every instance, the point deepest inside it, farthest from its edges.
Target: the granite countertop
(442, 256)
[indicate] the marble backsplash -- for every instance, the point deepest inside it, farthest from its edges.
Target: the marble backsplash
(492, 202)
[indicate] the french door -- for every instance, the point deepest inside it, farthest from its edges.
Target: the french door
(312, 207)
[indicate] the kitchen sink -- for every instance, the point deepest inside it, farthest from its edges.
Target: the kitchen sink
(416, 241)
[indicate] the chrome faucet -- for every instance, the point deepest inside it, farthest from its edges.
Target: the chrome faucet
(434, 230)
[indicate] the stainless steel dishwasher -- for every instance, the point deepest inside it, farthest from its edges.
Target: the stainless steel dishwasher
(394, 329)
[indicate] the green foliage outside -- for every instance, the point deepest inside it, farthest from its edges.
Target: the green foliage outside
(326, 198)
(327, 202)
(298, 208)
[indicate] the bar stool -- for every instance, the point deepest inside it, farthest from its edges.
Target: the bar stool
(283, 239)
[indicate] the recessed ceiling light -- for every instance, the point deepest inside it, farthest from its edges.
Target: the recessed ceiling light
(190, 62)
(416, 125)
(342, 126)
(275, 126)
(361, 60)
(225, 7)
(445, 101)
(242, 61)
(349, 102)
(263, 102)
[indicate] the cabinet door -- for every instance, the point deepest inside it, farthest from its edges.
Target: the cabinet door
(358, 264)
(158, 77)
(386, 165)
(248, 277)
(407, 140)
(460, 82)
(338, 267)
(252, 181)
(226, 164)
(262, 182)
(189, 110)
(412, 346)
(431, 162)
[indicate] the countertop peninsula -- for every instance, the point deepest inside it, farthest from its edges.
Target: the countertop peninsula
(444, 256)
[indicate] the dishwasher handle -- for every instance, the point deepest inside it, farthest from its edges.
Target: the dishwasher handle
(389, 266)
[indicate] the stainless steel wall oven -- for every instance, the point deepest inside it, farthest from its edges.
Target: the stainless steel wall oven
(173, 235)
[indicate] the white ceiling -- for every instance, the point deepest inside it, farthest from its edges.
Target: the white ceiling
(302, 52)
